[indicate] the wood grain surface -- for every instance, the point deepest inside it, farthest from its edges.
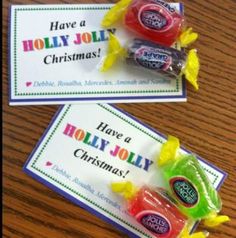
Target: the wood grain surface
(206, 124)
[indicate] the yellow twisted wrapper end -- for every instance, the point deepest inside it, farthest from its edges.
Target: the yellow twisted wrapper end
(168, 150)
(215, 220)
(126, 189)
(115, 13)
(191, 68)
(187, 37)
(115, 50)
(185, 234)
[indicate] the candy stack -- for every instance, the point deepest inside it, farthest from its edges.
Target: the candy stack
(188, 197)
(159, 25)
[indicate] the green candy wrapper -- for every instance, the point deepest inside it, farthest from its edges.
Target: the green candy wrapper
(192, 189)
(189, 184)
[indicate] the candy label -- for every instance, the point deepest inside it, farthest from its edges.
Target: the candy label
(154, 222)
(155, 17)
(185, 191)
(152, 58)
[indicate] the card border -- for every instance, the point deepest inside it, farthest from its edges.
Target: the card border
(126, 98)
(80, 203)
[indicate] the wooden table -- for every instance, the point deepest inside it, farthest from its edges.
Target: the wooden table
(206, 125)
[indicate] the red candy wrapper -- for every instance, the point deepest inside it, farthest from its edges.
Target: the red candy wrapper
(154, 20)
(157, 214)
(153, 209)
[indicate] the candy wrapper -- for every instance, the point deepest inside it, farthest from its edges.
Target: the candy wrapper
(189, 184)
(189, 197)
(155, 211)
(154, 20)
(160, 60)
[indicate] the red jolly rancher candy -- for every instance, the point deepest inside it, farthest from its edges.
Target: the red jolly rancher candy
(155, 20)
(153, 209)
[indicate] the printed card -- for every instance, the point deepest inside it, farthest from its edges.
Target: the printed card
(86, 147)
(55, 52)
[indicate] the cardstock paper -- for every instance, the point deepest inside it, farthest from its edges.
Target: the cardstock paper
(86, 147)
(54, 57)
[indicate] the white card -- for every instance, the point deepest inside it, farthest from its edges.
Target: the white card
(55, 52)
(76, 158)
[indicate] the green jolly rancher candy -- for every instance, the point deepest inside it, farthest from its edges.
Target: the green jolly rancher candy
(188, 183)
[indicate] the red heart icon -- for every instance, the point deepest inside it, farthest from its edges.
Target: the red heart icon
(48, 163)
(28, 84)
